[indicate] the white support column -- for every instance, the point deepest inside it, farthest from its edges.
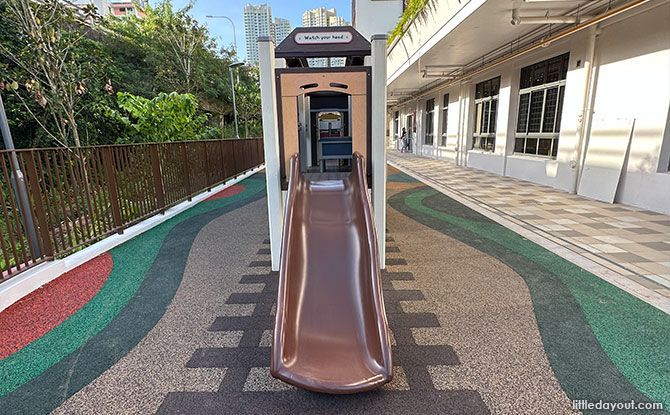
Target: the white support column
(466, 126)
(417, 126)
(266, 54)
(378, 155)
(437, 108)
(459, 134)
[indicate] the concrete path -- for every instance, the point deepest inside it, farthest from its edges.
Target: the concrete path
(626, 246)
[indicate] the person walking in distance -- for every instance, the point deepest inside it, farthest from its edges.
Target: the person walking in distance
(403, 141)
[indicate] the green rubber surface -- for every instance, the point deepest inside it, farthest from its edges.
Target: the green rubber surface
(129, 304)
(602, 342)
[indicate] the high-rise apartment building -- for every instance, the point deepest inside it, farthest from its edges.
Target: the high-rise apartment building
(282, 28)
(257, 22)
(336, 20)
(322, 17)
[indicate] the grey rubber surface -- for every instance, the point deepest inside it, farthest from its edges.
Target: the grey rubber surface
(464, 336)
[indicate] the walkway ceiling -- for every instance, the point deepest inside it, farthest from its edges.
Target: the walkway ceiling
(478, 38)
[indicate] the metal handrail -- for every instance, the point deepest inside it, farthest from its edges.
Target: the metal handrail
(78, 196)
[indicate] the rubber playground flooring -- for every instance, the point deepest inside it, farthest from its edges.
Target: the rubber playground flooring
(179, 320)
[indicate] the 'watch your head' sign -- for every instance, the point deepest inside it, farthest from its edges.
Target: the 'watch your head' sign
(323, 38)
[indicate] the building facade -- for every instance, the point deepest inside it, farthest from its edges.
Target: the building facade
(282, 28)
(322, 17)
(575, 98)
(125, 8)
(257, 22)
(318, 17)
(115, 7)
(101, 6)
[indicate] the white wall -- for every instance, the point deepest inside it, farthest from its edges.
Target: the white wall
(406, 109)
(375, 16)
(448, 152)
(633, 81)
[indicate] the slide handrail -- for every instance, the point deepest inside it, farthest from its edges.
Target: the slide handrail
(359, 169)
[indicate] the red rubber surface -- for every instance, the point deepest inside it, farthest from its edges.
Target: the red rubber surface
(45, 308)
(227, 192)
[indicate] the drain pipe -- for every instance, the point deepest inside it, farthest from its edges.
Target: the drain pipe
(586, 114)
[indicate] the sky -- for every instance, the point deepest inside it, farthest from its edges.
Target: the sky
(222, 30)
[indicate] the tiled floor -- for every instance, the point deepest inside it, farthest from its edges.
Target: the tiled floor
(631, 242)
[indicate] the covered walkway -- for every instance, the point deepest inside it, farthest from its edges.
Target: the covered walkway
(626, 246)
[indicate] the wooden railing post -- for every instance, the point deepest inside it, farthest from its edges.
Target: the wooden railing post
(36, 198)
(222, 168)
(158, 178)
(236, 164)
(208, 173)
(112, 188)
(187, 170)
(224, 165)
(261, 153)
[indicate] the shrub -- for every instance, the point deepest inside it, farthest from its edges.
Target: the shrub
(167, 117)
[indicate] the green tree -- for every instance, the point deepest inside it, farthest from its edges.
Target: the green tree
(168, 50)
(249, 99)
(186, 41)
(60, 68)
(49, 63)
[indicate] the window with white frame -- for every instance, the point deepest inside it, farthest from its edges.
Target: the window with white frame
(486, 109)
(541, 93)
(445, 114)
(396, 125)
(430, 116)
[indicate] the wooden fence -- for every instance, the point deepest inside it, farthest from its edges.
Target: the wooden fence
(76, 197)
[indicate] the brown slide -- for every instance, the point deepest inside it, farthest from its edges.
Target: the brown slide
(331, 333)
